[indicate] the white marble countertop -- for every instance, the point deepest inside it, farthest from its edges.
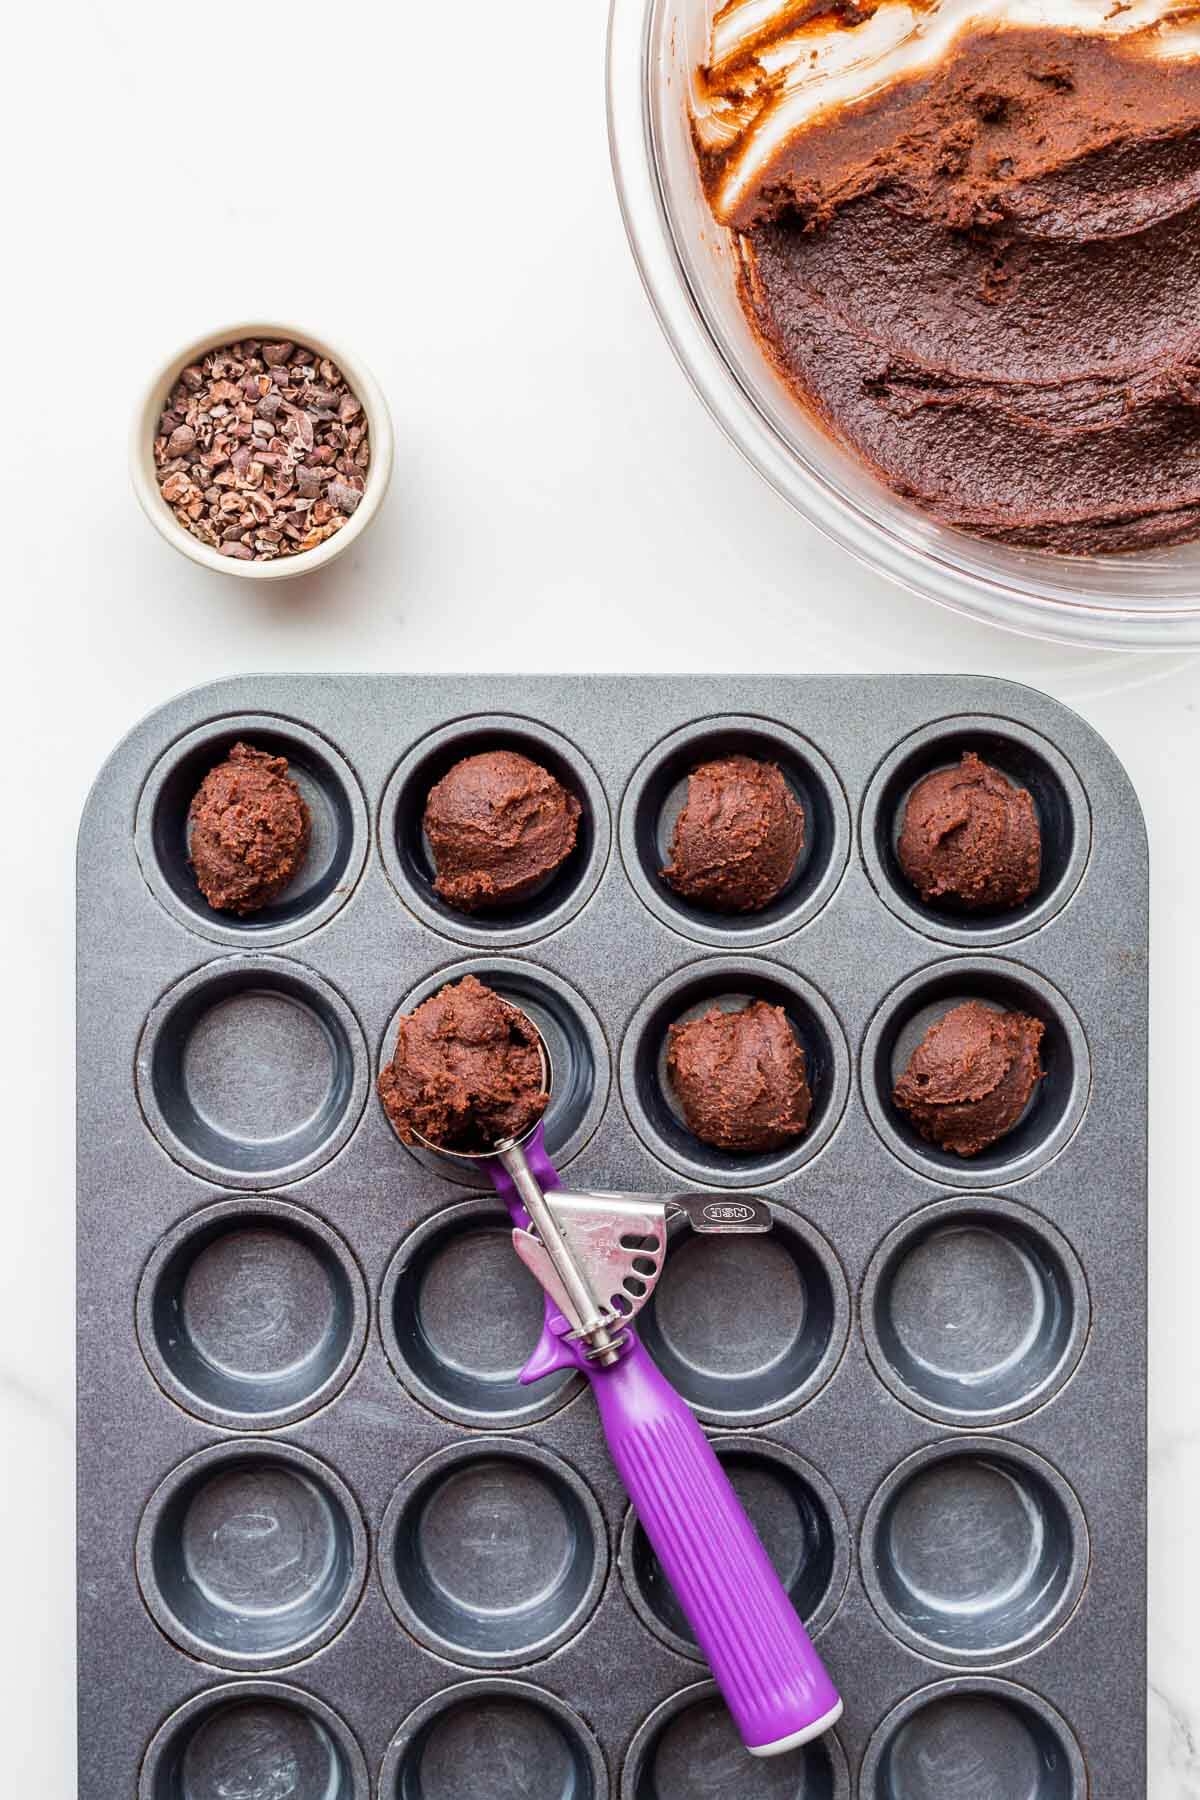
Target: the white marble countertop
(560, 502)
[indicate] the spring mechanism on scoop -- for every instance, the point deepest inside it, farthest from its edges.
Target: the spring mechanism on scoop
(606, 1352)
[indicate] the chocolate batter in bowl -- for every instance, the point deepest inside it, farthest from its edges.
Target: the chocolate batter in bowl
(1088, 568)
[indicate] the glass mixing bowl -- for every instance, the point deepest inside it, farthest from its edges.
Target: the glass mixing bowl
(1144, 601)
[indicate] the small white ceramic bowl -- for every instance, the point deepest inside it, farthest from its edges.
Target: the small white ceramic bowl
(145, 480)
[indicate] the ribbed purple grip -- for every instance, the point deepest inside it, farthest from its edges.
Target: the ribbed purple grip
(773, 1680)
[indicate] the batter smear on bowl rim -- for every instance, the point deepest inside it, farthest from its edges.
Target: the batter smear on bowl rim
(969, 241)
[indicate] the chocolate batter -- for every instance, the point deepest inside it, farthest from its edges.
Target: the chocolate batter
(466, 1073)
(249, 831)
(740, 1078)
(970, 836)
(979, 263)
(970, 1078)
(738, 838)
(498, 826)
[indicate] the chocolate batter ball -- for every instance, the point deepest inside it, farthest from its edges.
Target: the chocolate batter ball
(969, 1079)
(249, 830)
(740, 1077)
(970, 836)
(498, 825)
(738, 838)
(466, 1073)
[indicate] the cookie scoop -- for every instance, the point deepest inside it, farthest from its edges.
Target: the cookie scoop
(598, 1257)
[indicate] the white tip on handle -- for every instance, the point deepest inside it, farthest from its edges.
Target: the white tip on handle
(794, 1740)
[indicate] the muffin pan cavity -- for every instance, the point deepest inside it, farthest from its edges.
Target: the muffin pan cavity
(730, 983)
(458, 1357)
(1028, 760)
(254, 1740)
(739, 1366)
(1055, 1107)
(974, 1312)
(688, 1750)
(252, 1071)
(409, 860)
(251, 1316)
(493, 1740)
(974, 1551)
(973, 1739)
(657, 794)
(573, 1037)
(493, 1553)
(796, 1514)
(302, 1430)
(337, 850)
(251, 1555)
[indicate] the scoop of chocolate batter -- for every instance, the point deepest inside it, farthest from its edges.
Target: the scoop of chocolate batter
(466, 1072)
(249, 830)
(969, 1079)
(738, 837)
(498, 825)
(969, 835)
(740, 1077)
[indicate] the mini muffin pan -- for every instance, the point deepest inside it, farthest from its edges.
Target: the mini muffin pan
(329, 1547)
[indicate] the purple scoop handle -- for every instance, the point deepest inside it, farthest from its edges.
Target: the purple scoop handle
(774, 1683)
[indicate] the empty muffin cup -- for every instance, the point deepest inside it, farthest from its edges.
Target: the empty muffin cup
(575, 1044)
(975, 1311)
(409, 859)
(744, 1365)
(1024, 758)
(456, 1357)
(252, 1071)
(973, 1738)
(251, 1554)
(656, 796)
(796, 1514)
(1058, 1100)
(493, 1740)
(338, 841)
(254, 1740)
(252, 1313)
(974, 1551)
(493, 1553)
(689, 1747)
(730, 983)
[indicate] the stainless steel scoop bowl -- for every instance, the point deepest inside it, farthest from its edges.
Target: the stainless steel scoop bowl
(571, 1289)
